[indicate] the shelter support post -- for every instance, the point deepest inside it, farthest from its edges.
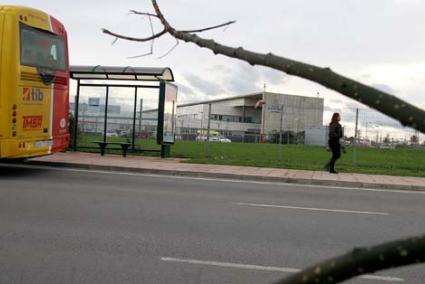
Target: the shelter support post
(77, 103)
(133, 136)
(105, 125)
(165, 151)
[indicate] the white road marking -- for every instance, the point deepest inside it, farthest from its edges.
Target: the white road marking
(260, 182)
(232, 265)
(161, 176)
(312, 209)
(266, 268)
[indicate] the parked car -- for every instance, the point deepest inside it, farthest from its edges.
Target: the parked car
(111, 134)
(225, 140)
(125, 132)
(214, 139)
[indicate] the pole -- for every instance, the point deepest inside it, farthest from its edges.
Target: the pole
(280, 133)
(77, 102)
(83, 121)
(105, 124)
(140, 117)
(208, 131)
(133, 136)
(367, 138)
(202, 121)
(263, 116)
(355, 138)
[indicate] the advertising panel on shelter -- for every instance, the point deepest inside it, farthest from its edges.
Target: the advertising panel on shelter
(167, 112)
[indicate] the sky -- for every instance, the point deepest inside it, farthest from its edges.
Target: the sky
(380, 43)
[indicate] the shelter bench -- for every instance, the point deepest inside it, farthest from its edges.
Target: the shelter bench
(103, 144)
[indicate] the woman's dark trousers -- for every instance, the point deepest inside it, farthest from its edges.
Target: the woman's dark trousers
(336, 154)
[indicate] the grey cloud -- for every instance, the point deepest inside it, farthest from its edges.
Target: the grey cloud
(366, 115)
(244, 79)
(221, 69)
(238, 78)
(272, 76)
(335, 101)
(375, 117)
(328, 108)
(187, 94)
(353, 105)
(205, 86)
(185, 89)
(365, 76)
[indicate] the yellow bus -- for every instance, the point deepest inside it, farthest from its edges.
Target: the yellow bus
(34, 83)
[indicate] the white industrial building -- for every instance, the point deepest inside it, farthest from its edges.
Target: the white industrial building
(252, 114)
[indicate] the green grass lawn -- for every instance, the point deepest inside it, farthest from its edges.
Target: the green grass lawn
(405, 162)
(401, 161)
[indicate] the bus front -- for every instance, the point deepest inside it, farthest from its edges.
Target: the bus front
(34, 84)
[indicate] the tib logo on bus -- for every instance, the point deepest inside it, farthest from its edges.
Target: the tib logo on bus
(33, 122)
(32, 95)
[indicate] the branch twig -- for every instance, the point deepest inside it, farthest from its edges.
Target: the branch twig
(134, 38)
(169, 51)
(143, 13)
(152, 42)
(209, 28)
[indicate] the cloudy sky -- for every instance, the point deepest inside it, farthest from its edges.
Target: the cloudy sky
(378, 42)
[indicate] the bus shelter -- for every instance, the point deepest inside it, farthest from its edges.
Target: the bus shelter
(109, 77)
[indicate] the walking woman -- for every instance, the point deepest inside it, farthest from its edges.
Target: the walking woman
(335, 134)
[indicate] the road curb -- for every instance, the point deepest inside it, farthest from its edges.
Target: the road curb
(186, 173)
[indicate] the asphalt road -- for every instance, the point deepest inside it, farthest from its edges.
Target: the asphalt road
(74, 226)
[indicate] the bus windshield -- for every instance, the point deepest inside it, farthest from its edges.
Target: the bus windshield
(42, 49)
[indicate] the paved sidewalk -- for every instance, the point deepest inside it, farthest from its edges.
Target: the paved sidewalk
(176, 167)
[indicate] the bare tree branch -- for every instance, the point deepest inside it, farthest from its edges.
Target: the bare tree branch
(134, 38)
(407, 114)
(152, 42)
(169, 51)
(143, 13)
(209, 28)
(186, 31)
(154, 36)
(361, 261)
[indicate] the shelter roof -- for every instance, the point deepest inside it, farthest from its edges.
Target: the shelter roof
(121, 73)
